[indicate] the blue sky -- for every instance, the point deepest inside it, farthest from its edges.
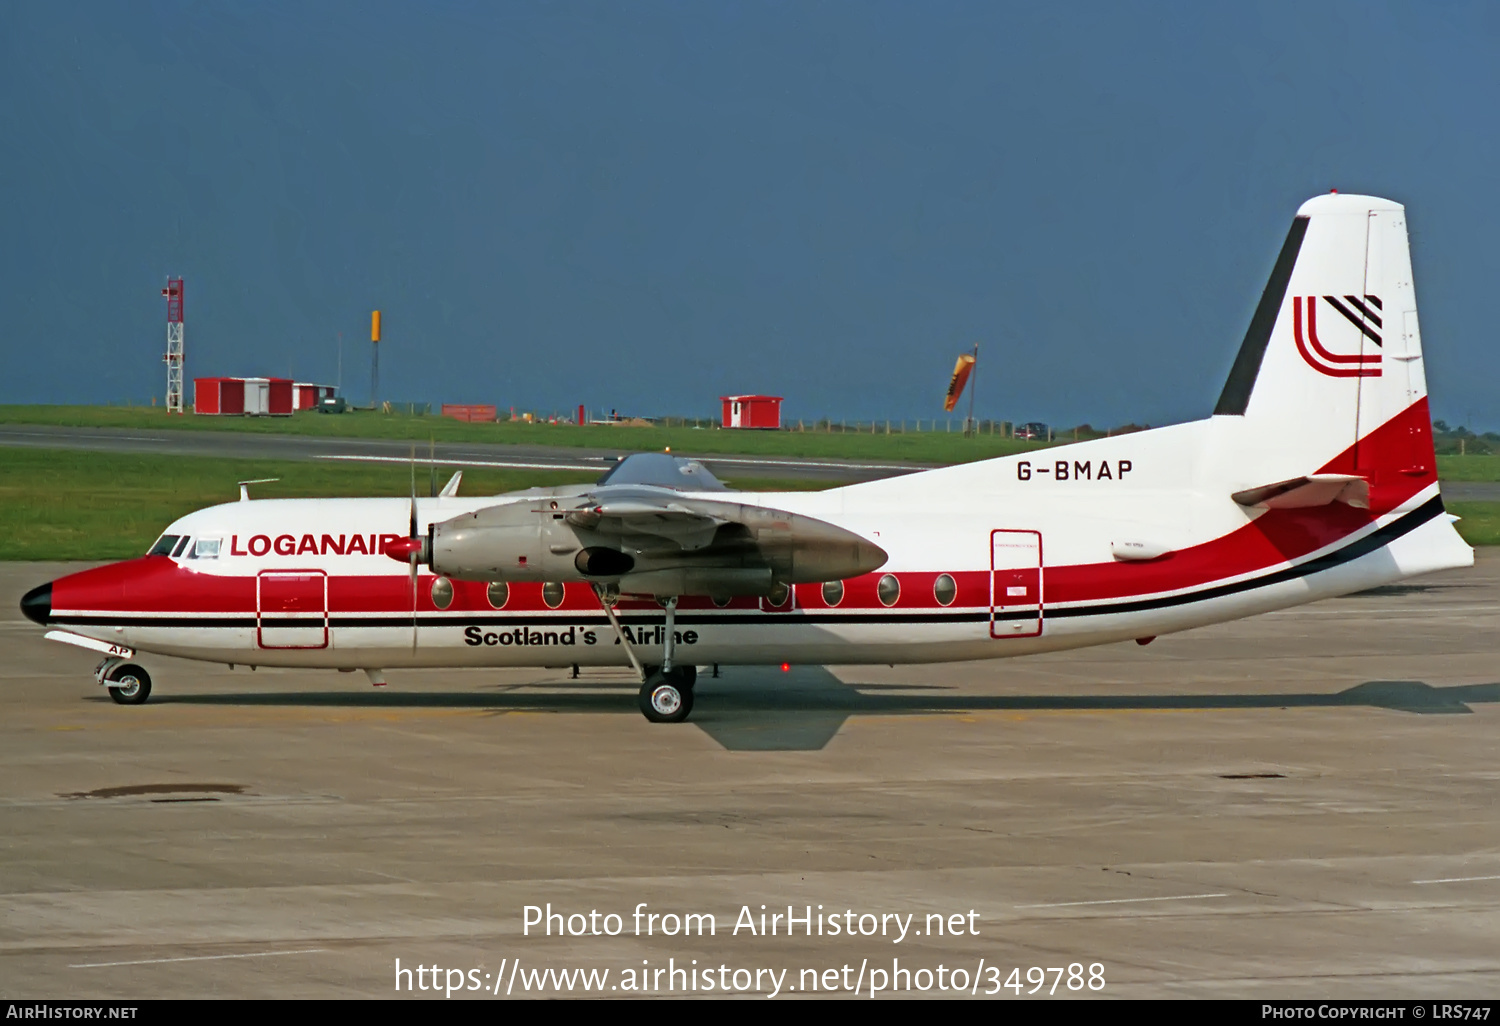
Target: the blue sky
(645, 205)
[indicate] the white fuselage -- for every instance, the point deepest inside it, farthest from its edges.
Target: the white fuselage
(1039, 553)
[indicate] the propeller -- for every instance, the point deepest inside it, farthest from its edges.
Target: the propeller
(416, 547)
(412, 549)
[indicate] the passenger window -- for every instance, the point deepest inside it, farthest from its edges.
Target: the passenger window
(164, 545)
(206, 548)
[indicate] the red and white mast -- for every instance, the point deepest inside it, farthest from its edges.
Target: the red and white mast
(174, 357)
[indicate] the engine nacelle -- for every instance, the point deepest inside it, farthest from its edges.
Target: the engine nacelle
(514, 542)
(688, 547)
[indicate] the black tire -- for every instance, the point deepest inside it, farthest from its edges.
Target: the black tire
(665, 699)
(129, 684)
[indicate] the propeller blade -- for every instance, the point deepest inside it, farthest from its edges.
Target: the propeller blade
(414, 601)
(411, 529)
(415, 550)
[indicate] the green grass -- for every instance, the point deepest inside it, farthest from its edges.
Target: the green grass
(1480, 523)
(924, 446)
(65, 504)
(1469, 468)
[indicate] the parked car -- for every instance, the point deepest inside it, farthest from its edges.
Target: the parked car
(1032, 430)
(332, 404)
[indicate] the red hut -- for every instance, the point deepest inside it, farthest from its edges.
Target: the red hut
(752, 411)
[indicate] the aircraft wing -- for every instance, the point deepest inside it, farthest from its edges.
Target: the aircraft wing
(650, 540)
(1312, 490)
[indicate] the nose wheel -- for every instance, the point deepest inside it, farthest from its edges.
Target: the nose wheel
(128, 684)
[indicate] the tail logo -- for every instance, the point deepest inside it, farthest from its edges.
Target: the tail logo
(1362, 312)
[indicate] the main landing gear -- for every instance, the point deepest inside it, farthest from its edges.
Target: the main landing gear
(666, 694)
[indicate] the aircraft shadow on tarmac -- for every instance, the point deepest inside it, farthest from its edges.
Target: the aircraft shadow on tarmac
(764, 709)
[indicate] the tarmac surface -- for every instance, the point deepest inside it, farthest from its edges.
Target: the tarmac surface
(234, 445)
(1304, 804)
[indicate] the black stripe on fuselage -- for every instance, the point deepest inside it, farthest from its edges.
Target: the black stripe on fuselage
(1362, 546)
(1371, 542)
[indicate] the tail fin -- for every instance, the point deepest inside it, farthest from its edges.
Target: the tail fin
(1330, 370)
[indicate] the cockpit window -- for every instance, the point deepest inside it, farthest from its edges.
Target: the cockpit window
(180, 546)
(165, 544)
(206, 548)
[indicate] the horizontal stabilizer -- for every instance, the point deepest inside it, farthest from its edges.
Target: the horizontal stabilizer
(1312, 490)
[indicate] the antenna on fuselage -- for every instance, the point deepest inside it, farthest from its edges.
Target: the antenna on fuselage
(245, 486)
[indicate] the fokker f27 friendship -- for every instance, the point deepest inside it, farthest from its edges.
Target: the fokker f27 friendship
(1314, 477)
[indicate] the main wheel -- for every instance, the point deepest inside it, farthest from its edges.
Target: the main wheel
(129, 684)
(664, 698)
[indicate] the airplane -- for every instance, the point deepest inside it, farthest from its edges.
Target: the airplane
(1314, 477)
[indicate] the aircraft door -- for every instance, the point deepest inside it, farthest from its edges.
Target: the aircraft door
(291, 609)
(1015, 584)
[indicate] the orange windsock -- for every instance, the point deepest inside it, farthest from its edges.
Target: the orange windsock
(961, 371)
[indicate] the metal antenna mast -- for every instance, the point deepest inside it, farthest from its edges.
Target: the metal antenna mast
(374, 359)
(970, 426)
(175, 355)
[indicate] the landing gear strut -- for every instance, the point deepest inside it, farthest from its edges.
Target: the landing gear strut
(666, 694)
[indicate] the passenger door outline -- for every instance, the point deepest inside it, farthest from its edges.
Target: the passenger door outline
(1017, 599)
(291, 609)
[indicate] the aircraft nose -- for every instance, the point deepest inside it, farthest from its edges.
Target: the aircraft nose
(36, 604)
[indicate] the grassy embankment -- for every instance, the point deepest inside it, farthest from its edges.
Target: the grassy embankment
(923, 446)
(65, 504)
(1469, 468)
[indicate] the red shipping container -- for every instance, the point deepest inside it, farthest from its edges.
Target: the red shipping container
(280, 402)
(474, 413)
(219, 396)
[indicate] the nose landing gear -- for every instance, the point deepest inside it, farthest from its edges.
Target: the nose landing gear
(128, 684)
